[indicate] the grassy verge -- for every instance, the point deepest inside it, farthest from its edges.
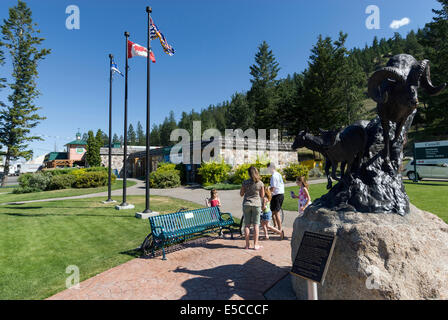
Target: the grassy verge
(426, 195)
(223, 186)
(10, 197)
(38, 241)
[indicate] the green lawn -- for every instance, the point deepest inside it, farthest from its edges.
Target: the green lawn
(10, 197)
(429, 196)
(39, 240)
(223, 186)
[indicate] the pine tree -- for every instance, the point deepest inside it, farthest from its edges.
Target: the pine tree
(261, 96)
(17, 118)
(167, 127)
(239, 114)
(155, 135)
(141, 137)
(332, 86)
(433, 38)
(115, 139)
(93, 157)
(132, 136)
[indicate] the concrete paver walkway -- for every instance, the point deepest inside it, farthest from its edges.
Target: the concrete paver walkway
(218, 270)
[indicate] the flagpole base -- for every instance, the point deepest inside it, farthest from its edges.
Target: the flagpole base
(108, 201)
(125, 206)
(143, 215)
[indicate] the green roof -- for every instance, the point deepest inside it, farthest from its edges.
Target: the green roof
(78, 142)
(56, 156)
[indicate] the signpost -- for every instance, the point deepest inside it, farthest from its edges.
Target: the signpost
(435, 152)
(313, 259)
(432, 153)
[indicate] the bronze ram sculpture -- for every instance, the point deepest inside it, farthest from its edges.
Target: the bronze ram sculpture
(394, 88)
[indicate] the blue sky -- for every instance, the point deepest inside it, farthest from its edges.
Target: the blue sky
(215, 42)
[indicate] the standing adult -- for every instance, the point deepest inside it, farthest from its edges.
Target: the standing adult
(278, 194)
(253, 202)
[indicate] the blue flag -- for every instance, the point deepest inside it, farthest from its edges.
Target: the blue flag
(114, 68)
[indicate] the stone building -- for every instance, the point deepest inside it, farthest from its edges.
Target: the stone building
(234, 152)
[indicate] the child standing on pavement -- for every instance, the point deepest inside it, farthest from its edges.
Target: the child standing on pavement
(214, 199)
(266, 216)
(304, 196)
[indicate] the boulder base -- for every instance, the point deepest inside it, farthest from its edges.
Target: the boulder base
(378, 256)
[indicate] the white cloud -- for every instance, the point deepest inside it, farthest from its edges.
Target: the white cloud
(396, 24)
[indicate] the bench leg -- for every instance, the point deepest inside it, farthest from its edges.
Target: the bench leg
(231, 233)
(164, 255)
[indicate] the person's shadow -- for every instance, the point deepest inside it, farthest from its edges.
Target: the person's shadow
(248, 281)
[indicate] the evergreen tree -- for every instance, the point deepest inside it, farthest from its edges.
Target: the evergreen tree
(155, 135)
(132, 136)
(141, 137)
(433, 38)
(17, 118)
(99, 137)
(167, 127)
(115, 139)
(239, 114)
(332, 86)
(93, 157)
(261, 96)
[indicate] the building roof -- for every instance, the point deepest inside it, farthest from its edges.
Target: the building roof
(56, 156)
(78, 142)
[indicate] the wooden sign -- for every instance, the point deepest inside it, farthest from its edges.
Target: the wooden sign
(313, 257)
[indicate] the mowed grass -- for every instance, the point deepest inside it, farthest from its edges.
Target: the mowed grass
(38, 241)
(431, 196)
(8, 196)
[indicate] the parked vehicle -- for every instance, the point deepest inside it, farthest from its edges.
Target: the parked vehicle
(424, 170)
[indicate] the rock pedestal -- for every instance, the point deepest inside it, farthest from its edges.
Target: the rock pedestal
(378, 256)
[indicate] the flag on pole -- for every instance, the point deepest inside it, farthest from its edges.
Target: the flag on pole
(155, 33)
(114, 68)
(136, 50)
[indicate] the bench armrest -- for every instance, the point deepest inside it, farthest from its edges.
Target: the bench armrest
(227, 213)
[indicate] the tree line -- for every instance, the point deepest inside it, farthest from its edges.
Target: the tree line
(330, 93)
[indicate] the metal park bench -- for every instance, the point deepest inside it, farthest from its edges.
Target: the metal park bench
(172, 228)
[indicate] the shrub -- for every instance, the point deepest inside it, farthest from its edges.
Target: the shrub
(55, 172)
(240, 173)
(92, 179)
(294, 170)
(96, 169)
(24, 180)
(39, 181)
(63, 181)
(166, 166)
(315, 172)
(21, 190)
(164, 179)
(214, 172)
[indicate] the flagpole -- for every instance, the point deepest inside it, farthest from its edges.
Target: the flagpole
(124, 204)
(148, 116)
(109, 186)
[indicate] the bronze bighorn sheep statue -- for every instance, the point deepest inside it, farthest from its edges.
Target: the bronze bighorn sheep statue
(394, 88)
(345, 146)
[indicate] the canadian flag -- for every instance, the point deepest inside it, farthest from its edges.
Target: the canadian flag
(136, 50)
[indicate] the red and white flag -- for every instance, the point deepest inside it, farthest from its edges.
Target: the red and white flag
(136, 50)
